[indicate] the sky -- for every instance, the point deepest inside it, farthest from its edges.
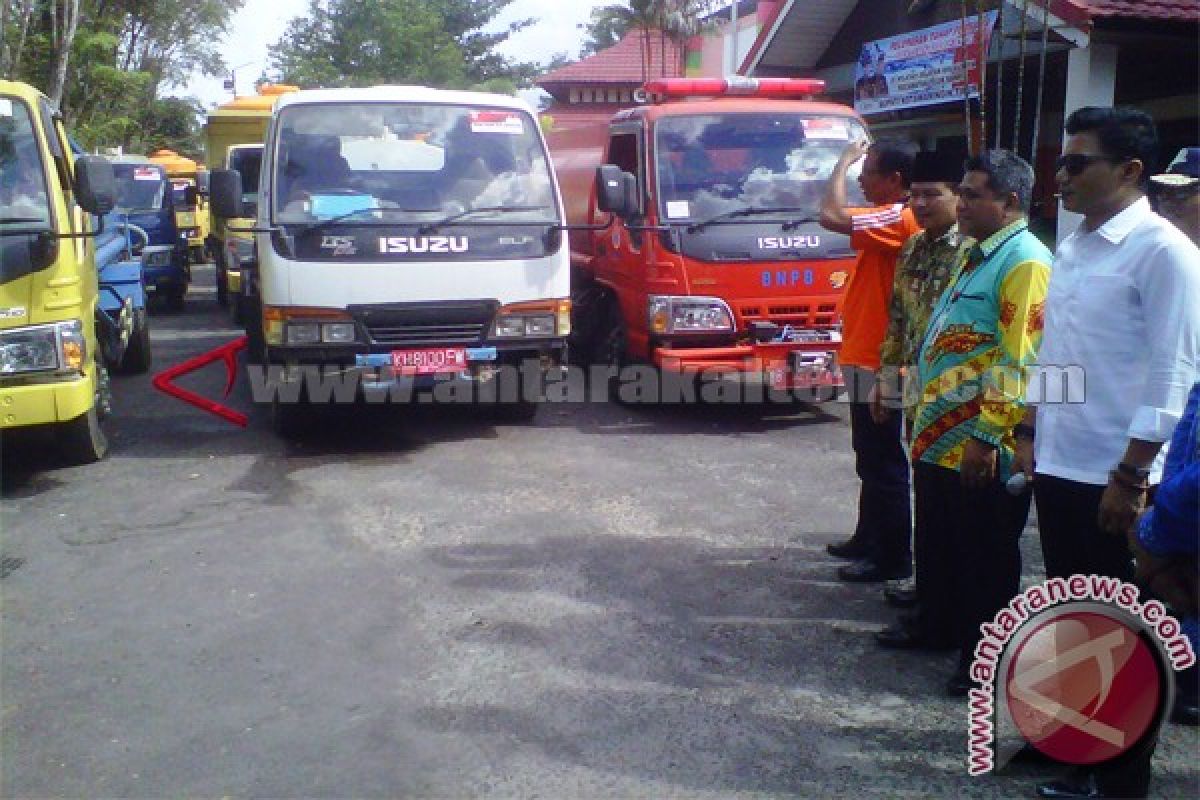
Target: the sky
(261, 23)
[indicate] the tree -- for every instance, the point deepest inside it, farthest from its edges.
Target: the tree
(608, 25)
(466, 20)
(367, 42)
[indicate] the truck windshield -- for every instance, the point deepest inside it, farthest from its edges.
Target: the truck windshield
(247, 161)
(23, 197)
(140, 187)
(720, 163)
(404, 162)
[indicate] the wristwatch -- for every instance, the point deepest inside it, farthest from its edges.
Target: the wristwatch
(1141, 474)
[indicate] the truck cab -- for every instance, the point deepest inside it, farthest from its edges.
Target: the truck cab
(406, 234)
(715, 262)
(236, 259)
(51, 366)
(191, 207)
(145, 200)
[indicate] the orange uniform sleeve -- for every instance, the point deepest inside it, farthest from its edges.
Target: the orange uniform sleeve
(883, 230)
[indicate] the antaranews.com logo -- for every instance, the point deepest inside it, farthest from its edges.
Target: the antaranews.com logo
(1079, 667)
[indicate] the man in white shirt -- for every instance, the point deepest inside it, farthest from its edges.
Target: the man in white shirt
(1120, 352)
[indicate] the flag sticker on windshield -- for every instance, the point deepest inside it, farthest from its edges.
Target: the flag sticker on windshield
(505, 122)
(145, 174)
(678, 209)
(834, 129)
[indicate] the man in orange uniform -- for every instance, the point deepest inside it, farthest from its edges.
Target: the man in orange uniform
(882, 535)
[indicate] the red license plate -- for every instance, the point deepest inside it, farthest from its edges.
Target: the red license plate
(430, 361)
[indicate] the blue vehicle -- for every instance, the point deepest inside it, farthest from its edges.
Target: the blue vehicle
(123, 328)
(145, 201)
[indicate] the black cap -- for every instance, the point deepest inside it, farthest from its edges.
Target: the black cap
(934, 167)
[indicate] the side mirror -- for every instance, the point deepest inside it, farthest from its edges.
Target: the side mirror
(616, 191)
(202, 181)
(95, 185)
(225, 186)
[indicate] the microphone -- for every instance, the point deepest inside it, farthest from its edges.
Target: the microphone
(1017, 484)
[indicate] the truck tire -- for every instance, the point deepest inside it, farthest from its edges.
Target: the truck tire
(136, 359)
(291, 420)
(610, 349)
(82, 440)
(522, 411)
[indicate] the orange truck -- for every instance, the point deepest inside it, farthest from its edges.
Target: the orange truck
(714, 264)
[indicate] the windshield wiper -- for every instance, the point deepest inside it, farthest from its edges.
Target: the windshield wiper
(321, 224)
(430, 227)
(748, 211)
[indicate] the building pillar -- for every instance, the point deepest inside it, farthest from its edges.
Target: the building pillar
(1091, 81)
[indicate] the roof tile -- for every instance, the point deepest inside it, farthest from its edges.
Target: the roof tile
(622, 63)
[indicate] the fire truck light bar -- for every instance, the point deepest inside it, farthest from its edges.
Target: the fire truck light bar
(735, 85)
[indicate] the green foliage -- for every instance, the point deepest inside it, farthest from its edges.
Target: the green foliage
(124, 54)
(441, 43)
(368, 42)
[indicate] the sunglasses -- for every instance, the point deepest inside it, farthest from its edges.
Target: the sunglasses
(1076, 163)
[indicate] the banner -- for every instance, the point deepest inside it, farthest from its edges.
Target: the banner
(921, 68)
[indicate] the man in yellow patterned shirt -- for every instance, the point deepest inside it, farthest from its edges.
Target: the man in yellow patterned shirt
(971, 367)
(927, 262)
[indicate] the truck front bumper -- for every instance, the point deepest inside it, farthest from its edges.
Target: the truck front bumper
(783, 366)
(44, 402)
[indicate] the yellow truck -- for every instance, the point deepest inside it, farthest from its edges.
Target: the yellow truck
(191, 207)
(51, 364)
(233, 139)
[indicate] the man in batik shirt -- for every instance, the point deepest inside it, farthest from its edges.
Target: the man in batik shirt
(972, 370)
(926, 264)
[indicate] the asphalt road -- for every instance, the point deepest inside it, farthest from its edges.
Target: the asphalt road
(611, 602)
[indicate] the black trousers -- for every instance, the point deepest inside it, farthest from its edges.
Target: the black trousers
(968, 554)
(884, 506)
(1072, 542)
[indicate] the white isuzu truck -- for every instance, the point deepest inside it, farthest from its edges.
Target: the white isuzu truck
(404, 234)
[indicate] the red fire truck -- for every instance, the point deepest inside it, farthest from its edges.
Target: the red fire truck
(715, 263)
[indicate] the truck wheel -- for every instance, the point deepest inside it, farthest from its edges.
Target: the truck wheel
(82, 440)
(291, 420)
(610, 350)
(137, 353)
(237, 309)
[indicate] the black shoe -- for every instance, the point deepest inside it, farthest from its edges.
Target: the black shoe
(900, 598)
(870, 572)
(959, 685)
(1185, 711)
(905, 637)
(1028, 754)
(1082, 786)
(851, 549)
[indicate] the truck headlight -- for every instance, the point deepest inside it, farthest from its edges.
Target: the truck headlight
(513, 326)
(338, 332)
(40, 348)
(303, 333)
(669, 314)
(159, 256)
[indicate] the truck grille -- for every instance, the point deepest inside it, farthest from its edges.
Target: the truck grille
(421, 324)
(798, 316)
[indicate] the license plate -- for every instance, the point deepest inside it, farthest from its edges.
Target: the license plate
(430, 361)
